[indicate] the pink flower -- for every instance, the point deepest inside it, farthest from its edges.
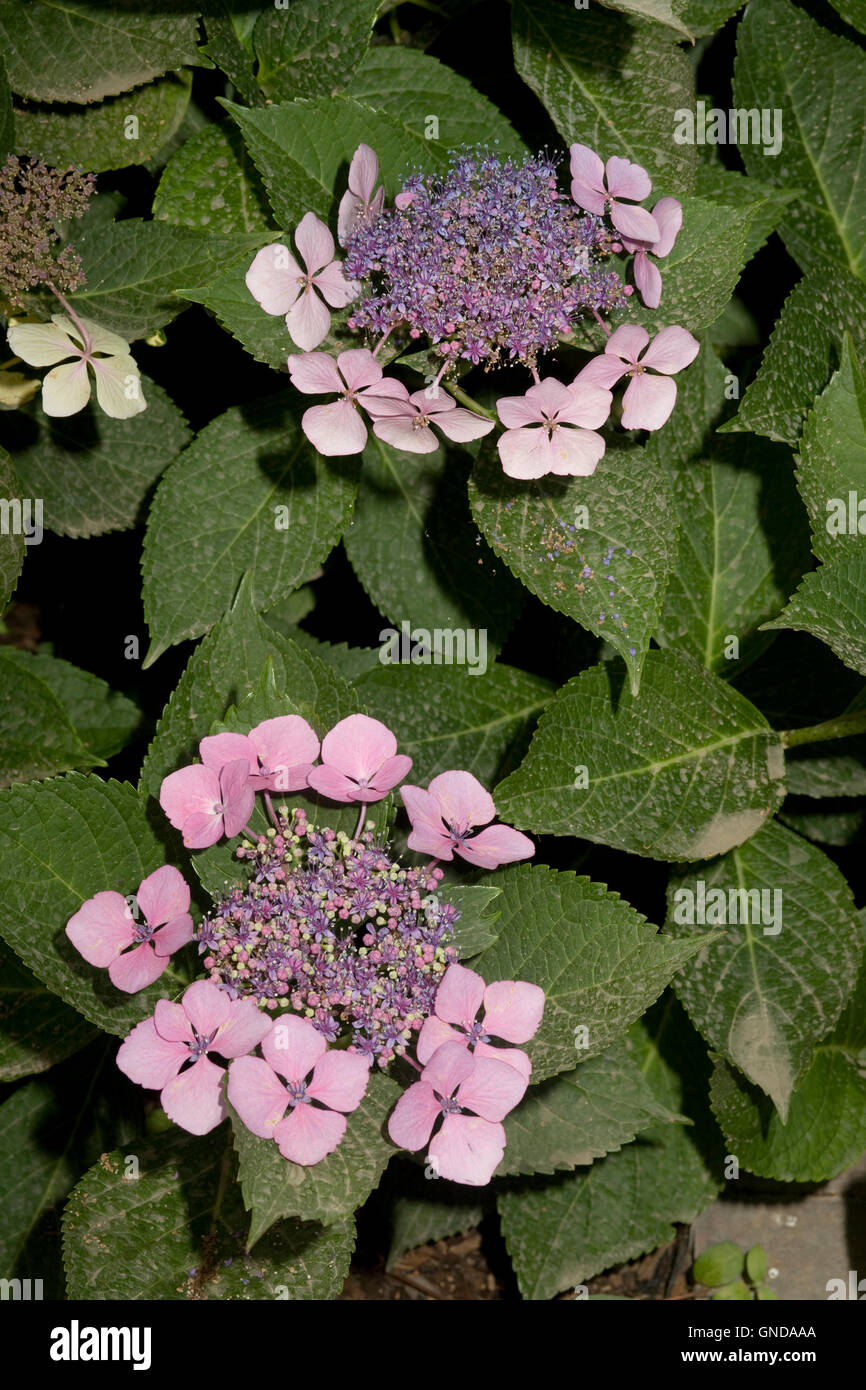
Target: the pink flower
(312, 1129)
(204, 804)
(550, 429)
(360, 761)
(338, 428)
(280, 753)
(204, 1021)
(443, 816)
(406, 423)
(600, 188)
(474, 1094)
(512, 1010)
(276, 280)
(648, 400)
(103, 928)
(668, 213)
(359, 202)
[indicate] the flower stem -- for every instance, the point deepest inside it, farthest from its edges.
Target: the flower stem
(86, 340)
(363, 816)
(271, 812)
(842, 727)
(598, 318)
(465, 399)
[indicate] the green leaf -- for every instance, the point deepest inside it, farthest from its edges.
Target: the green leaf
(743, 538)
(738, 1291)
(259, 499)
(805, 349)
(351, 662)
(665, 12)
(264, 336)
(413, 86)
(756, 1264)
(825, 1132)
(561, 1231)
(581, 1115)
(764, 203)
(225, 667)
(414, 547)
(75, 52)
(274, 1188)
(12, 543)
(60, 843)
(788, 63)
(133, 269)
(704, 17)
(475, 928)
(171, 1233)
(312, 50)
(831, 605)
(600, 963)
(95, 137)
(103, 719)
(824, 826)
(7, 116)
(211, 183)
(832, 461)
(225, 48)
(598, 549)
(94, 472)
(686, 772)
(432, 1215)
(608, 82)
(36, 1030)
(37, 737)
(768, 987)
(853, 12)
(718, 1264)
(453, 717)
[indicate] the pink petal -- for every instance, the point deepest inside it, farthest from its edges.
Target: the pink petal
(257, 1095)
(627, 342)
(163, 895)
(511, 1056)
(340, 1080)
(413, 1116)
(174, 935)
(203, 829)
(171, 1022)
(459, 996)
(148, 1059)
(525, 453)
(217, 750)
(308, 1135)
(432, 1036)
(648, 280)
(243, 1030)
(238, 797)
(363, 172)
(428, 833)
(671, 350)
(450, 1065)
(358, 746)
(333, 285)
(274, 279)
(403, 434)
(193, 790)
(194, 1099)
(335, 785)
(462, 799)
(576, 453)
(627, 180)
(587, 405)
(392, 771)
(550, 396)
(206, 1007)
(359, 368)
(335, 429)
(668, 214)
(314, 373)
(587, 174)
(603, 372)
(101, 928)
(513, 1009)
(286, 747)
(462, 425)
(647, 402)
(314, 242)
(467, 1150)
(499, 844)
(293, 1047)
(137, 969)
(491, 1089)
(308, 320)
(515, 411)
(351, 206)
(634, 222)
(386, 397)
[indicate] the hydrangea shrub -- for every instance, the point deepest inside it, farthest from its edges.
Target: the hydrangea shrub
(442, 801)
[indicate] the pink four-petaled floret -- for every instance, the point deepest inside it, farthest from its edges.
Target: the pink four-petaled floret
(512, 1011)
(360, 761)
(281, 287)
(648, 399)
(358, 380)
(444, 816)
(551, 429)
(103, 929)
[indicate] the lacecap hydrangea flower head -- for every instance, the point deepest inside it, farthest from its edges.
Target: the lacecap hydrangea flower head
(329, 957)
(491, 264)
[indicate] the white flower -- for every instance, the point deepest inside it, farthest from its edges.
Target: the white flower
(66, 388)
